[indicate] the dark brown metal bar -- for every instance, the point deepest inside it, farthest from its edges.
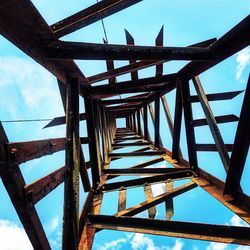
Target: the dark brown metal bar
(110, 66)
(212, 123)
(70, 234)
(136, 154)
(118, 101)
(90, 15)
(142, 171)
(218, 96)
(139, 123)
(159, 42)
(157, 122)
(198, 231)
(240, 149)
(21, 152)
(190, 135)
(62, 120)
(122, 70)
(130, 41)
(137, 65)
(98, 51)
(212, 147)
(132, 144)
(145, 122)
(83, 172)
(218, 119)
(40, 188)
(141, 181)
(94, 151)
(133, 84)
(152, 115)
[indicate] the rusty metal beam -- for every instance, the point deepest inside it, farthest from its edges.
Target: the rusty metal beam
(212, 123)
(212, 147)
(157, 123)
(43, 186)
(198, 231)
(218, 119)
(90, 15)
(70, 232)
(141, 181)
(21, 152)
(153, 201)
(130, 41)
(136, 154)
(190, 134)
(98, 51)
(141, 171)
(126, 85)
(137, 65)
(62, 120)
(218, 96)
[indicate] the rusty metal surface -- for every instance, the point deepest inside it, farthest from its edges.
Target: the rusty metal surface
(26, 28)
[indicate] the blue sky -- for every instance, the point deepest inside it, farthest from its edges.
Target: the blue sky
(28, 91)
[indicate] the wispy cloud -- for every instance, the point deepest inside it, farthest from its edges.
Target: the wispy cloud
(113, 245)
(242, 59)
(25, 85)
(138, 241)
(217, 246)
(10, 231)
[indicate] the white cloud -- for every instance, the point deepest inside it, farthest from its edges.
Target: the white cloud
(237, 221)
(178, 245)
(222, 246)
(216, 246)
(10, 231)
(113, 245)
(158, 189)
(25, 85)
(242, 59)
(54, 223)
(139, 241)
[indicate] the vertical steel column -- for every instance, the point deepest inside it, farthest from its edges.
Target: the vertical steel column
(135, 127)
(104, 135)
(127, 122)
(188, 115)
(94, 150)
(139, 123)
(157, 121)
(145, 121)
(71, 186)
(177, 121)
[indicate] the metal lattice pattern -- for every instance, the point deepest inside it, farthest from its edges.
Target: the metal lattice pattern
(26, 28)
